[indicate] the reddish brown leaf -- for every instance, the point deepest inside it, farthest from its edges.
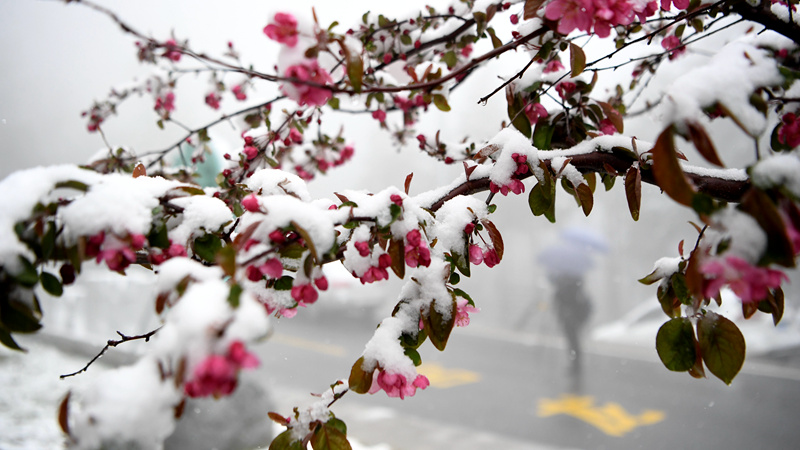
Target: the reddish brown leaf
(668, 172)
(779, 247)
(531, 6)
(613, 115)
(397, 252)
(63, 414)
(694, 279)
(584, 194)
(701, 141)
(178, 410)
(748, 309)
(341, 197)
(307, 239)
(139, 171)
(468, 170)
(277, 418)
(494, 235)
(633, 190)
(408, 181)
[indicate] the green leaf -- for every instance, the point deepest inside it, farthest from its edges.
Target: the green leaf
(413, 355)
(158, 236)
(496, 42)
(51, 284)
(577, 60)
(226, 258)
(441, 102)
(8, 341)
(543, 135)
(284, 441)
(450, 59)
(722, 346)
(49, 241)
(73, 184)
(327, 437)
(19, 317)
(462, 263)
(516, 114)
(28, 277)
(284, 283)
(355, 71)
(360, 381)
(234, 295)
(439, 326)
(207, 246)
(675, 344)
(542, 201)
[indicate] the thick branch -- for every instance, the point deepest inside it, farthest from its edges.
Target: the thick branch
(603, 162)
(763, 15)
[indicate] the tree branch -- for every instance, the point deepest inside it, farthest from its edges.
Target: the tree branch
(112, 343)
(600, 161)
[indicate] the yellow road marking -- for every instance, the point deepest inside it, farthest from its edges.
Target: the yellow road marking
(307, 344)
(611, 418)
(442, 377)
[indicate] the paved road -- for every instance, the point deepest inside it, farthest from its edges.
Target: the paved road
(491, 389)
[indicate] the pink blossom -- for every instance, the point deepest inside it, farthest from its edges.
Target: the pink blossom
(607, 127)
(303, 173)
(475, 254)
(362, 247)
(491, 258)
(321, 283)
(789, 130)
(571, 14)
(610, 13)
(250, 152)
(514, 19)
(295, 136)
(379, 115)
(466, 51)
(216, 375)
(673, 43)
(344, 155)
(212, 100)
(283, 30)
(565, 89)
(643, 11)
(750, 283)
(553, 66)
(253, 274)
(304, 294)
(238, 92)
(396, 199)
(535, 111)
(396, 385)
(171, 50)
(277, 236)
(416, 251)
(165, 103)
(305, 94)
(250, 203)
(240, 357)
(272, 268)
(680, 4)
(463, 308)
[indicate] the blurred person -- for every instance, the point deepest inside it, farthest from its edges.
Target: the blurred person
(567, 262)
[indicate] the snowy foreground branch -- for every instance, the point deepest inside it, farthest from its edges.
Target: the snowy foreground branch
(251, 248)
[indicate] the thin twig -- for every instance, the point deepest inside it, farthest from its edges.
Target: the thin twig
(112, 343)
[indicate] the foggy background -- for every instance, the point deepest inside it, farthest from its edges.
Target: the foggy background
(56, 59)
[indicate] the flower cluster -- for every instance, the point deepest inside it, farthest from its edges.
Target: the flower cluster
(305, 294)
(750, 283)
(417, 252)
(116, 252)
(173, 251)
(477, 254)
(165, 104)
(601, 15)
(789, 130)
(534, 112)
(283, 30)
(217, 375)
(463, 308)
(302, 91)
(397, 385)
(514, 185)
